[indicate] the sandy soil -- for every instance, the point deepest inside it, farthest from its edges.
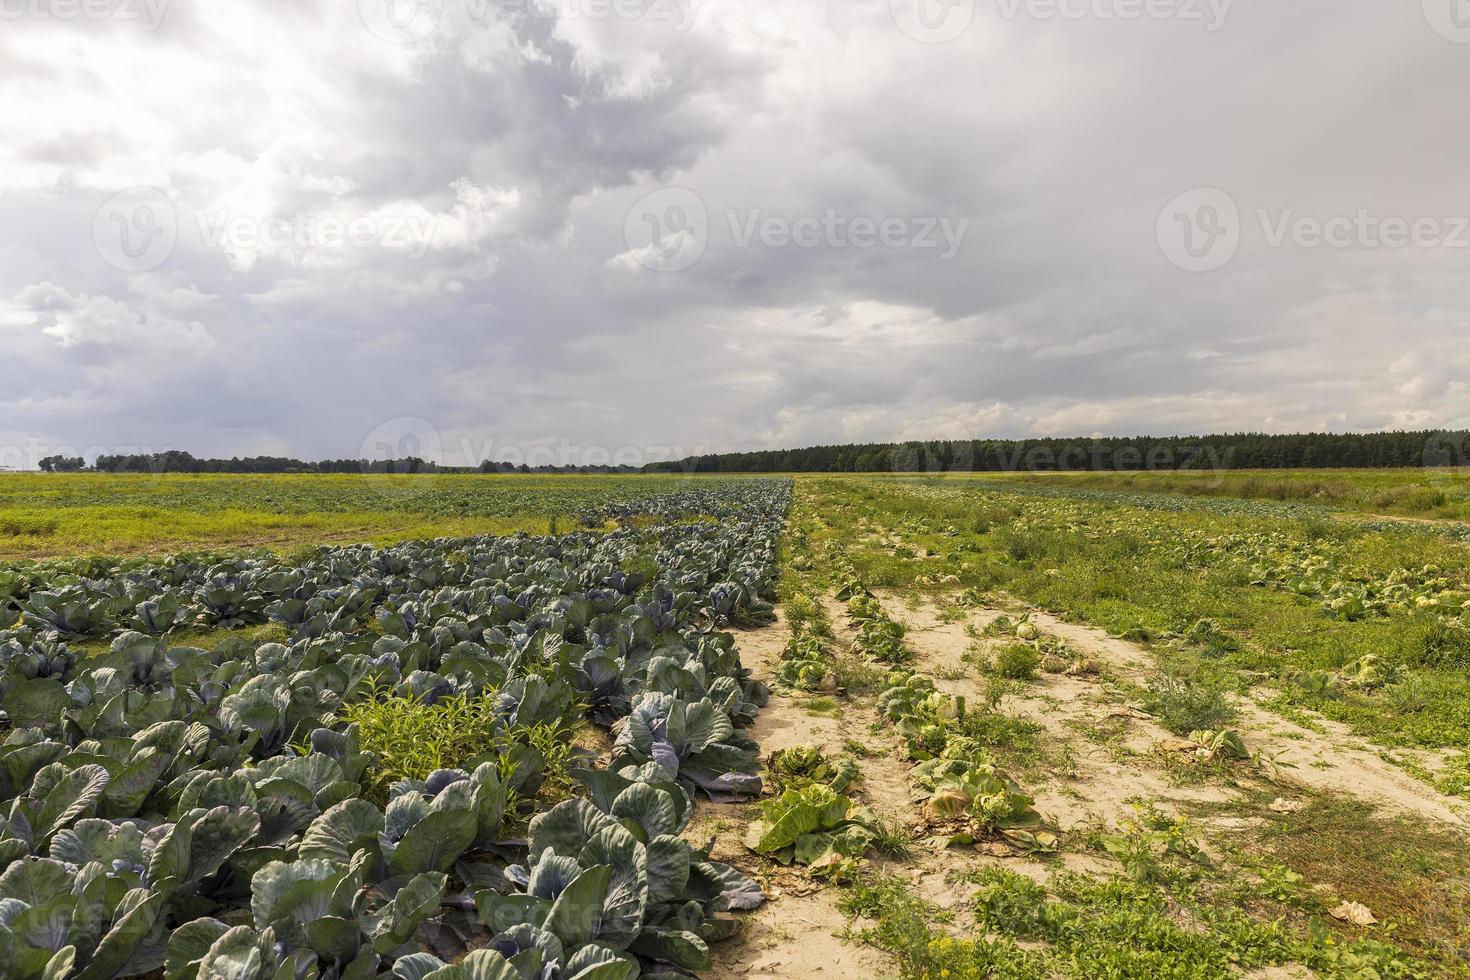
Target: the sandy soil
(1328, 759)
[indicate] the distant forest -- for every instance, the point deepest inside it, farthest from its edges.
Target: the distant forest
(178, 461)
(1239, 451)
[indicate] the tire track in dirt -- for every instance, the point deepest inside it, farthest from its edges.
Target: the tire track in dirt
(1103, 777)
(1330, 760)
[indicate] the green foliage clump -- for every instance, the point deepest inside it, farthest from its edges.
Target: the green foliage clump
(411, 739)
(1184, 704)
(1016, 661)
(905, 926)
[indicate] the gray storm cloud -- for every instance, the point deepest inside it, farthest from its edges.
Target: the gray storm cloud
(679, 226)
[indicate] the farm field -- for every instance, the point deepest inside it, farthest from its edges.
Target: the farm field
(1432, 494)
(44, 515)
(606, 727)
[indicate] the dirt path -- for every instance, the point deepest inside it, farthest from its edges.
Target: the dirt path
(795, 933)
(1328, 759)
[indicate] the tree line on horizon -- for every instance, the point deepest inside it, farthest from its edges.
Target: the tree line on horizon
(1238, 451)
(1376, 450)
(180, 461)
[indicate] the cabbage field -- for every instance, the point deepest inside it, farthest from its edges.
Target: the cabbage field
(603, 728)
(199, 812)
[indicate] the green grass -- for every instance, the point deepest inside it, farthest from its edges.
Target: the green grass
(204, 637)
(56, 515)
(1170, 914)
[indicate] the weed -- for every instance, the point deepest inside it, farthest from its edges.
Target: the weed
(1016, 661)
(411, 739)
(1184, 705)
(1405, 870)
(904, 927)
(892, 840)
(821, 706)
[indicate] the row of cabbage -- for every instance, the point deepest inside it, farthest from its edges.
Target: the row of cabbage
(1222, 506)
(201, 813)
(92, 594)
(965, 797)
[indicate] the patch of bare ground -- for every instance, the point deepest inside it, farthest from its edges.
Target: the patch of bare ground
(1325, 758)
(1117, 764)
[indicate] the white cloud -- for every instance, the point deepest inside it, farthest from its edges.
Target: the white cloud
(492, 167)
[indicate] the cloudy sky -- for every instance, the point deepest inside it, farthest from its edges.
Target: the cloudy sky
(475, 227)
